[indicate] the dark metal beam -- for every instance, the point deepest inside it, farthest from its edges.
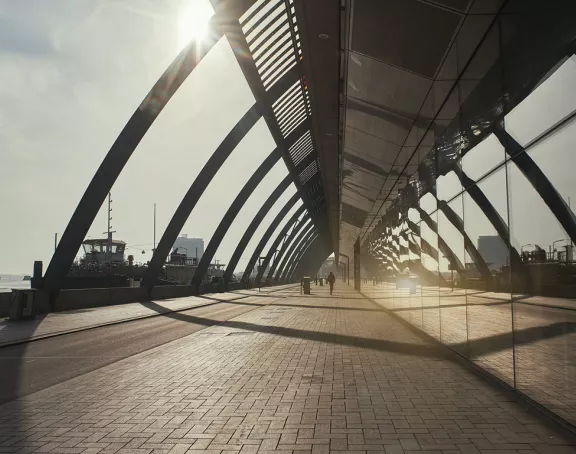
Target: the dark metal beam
(269, 231)
(295, 256)
(254, 224)
(457, 222)
(290, 255)
(231, 214)
(121, 151)
(539, 181)
(444, 248)
(301, 264)
(195, 192)
(294, 237)
(284, 242)
(276, 242)
(495, 219)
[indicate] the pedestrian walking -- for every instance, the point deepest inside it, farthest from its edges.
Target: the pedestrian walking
(331, 279)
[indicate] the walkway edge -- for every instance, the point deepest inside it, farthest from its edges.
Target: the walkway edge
(530, 405)
(124, 320)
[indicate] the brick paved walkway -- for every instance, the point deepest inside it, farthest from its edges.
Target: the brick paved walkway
(312, 374)
(67, 321)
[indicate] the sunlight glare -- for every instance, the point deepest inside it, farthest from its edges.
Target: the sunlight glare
(193, 21)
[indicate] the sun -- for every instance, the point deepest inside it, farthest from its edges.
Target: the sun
(193, 21)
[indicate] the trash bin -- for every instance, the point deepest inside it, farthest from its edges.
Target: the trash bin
(306, 285)
(321, 282)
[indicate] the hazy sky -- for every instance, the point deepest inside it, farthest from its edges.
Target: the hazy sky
(71, 74)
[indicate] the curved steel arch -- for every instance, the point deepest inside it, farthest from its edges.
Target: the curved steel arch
(262, 212)
(121, 151)
(306, 264)
(195, 192)
(295, 253)
(458, 223)
(442, 245)
(304, 225)
(231, 214)
(269, 231)
(288, 257)
(495, 219)
(298, 259)
(539, 181)
(298, 225)
(281, 235)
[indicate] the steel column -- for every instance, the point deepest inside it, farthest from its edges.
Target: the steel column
(269, 231)
(195, 192)
(262, 212)
(231, 214)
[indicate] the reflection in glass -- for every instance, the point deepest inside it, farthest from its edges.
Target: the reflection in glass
(489, 313)
(429, 278)
(453, 309)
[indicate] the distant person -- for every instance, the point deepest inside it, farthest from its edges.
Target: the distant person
(331, 279)
(316, 280)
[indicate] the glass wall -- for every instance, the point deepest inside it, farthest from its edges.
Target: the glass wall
(486, 225)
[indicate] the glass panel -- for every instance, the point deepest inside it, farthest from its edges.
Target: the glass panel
(484, 157)
(257, 236)
(489, 312)
(555, 96)
(413, 273)
(453, 310)
(448, 186)
(544, 300)
(428, 203)
(429, 278)
(249, 210)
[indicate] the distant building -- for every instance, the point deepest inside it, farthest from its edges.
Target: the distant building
(192, 247)
(494, 251)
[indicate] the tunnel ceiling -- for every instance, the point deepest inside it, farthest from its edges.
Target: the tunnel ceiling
(383, 77)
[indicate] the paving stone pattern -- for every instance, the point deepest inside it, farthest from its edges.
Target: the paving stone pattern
(305, 374)
(66, 321)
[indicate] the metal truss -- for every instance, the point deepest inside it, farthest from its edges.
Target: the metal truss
(231, 214)
(298, 242)
(270, 231)
(295, 256)
(195, 192)
(294, 237)
(121, 151)
(254, 224)
(293, 223)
